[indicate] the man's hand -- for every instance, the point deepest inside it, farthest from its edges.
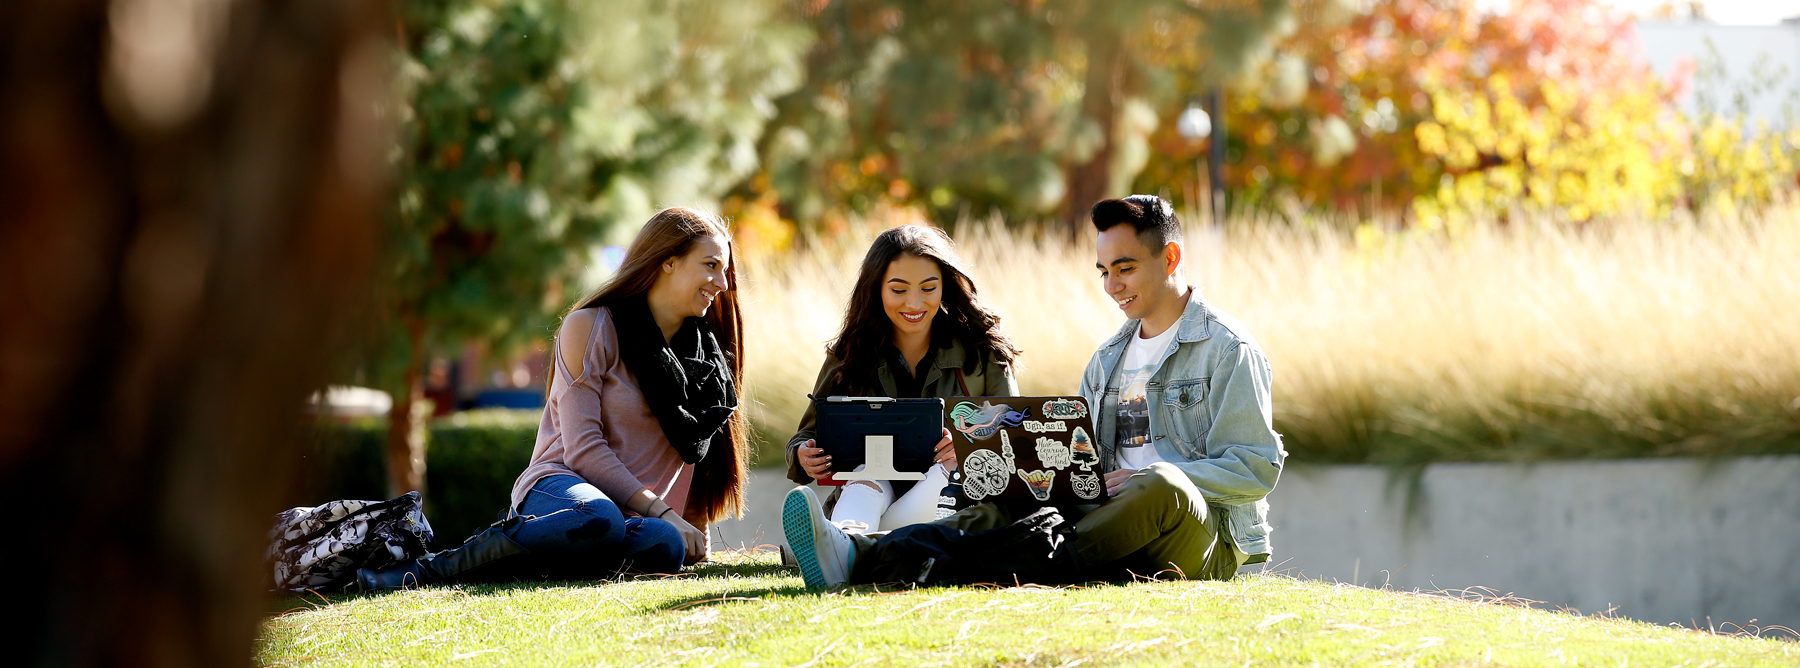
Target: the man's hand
(814, 461)
(945, 453)
(1115, 481)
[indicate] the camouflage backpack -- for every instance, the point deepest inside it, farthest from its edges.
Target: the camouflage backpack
(321, 548)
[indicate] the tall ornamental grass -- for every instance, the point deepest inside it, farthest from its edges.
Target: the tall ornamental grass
(1508, 342)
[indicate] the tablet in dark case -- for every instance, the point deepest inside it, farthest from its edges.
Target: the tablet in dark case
(894, 437)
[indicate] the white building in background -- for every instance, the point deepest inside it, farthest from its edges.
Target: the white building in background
(1747, 53)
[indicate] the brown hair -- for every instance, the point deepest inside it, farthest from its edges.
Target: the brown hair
(867, 331)
(718, 487)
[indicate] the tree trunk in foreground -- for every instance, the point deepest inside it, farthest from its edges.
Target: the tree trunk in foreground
(406, 422)
(191, 212)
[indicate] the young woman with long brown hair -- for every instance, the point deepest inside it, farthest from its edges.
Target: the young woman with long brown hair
(641, 445)
(915, 327)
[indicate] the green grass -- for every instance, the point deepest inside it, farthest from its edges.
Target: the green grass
(745, 610)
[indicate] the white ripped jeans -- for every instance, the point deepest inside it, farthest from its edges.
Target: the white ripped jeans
(872, 503)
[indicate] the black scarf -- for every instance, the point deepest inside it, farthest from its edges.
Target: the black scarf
(686, 382)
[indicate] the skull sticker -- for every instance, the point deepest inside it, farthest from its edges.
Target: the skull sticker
(986, 474)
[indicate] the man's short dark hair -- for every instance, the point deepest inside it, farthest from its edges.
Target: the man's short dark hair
(1152, 217)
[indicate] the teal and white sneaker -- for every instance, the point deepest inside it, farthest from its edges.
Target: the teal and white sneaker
(825, 554)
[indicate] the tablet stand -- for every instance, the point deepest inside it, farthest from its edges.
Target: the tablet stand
(878, 463)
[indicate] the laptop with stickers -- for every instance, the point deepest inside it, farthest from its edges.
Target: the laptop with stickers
(1026, 449)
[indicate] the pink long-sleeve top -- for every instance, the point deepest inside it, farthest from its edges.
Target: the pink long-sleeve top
(596, 425)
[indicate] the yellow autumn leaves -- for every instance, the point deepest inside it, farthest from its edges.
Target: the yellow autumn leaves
(1619, 151)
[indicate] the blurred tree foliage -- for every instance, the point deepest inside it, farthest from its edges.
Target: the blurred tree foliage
(1732, 163)
(1597, 136)
(533, 130)
(1609, 154)
(530, 131)
(1027, 108)
(1728, 167)
(1430, 109)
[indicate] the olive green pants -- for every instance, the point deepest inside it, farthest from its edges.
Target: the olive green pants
(1158, 525)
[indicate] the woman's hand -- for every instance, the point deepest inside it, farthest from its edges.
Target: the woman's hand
(698, 543)
(814, 461)
(945, 453)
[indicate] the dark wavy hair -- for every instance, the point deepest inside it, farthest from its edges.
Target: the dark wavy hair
(963, 316)
(718, 487)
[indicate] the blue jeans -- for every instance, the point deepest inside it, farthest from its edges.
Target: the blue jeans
(580, 533)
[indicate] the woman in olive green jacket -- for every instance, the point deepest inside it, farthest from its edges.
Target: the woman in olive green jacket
(915, 328)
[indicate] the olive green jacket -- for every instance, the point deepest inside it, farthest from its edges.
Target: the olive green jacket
(945, 378)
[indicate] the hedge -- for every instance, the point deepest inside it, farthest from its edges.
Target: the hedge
(471, 461)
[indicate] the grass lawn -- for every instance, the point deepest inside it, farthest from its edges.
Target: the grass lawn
(747, 610)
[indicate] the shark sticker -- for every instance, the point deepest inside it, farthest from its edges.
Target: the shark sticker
(980, 422)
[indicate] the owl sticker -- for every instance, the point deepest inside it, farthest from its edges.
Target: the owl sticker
(1087, 485)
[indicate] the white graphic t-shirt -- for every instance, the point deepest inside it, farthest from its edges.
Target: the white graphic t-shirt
(1132, 433)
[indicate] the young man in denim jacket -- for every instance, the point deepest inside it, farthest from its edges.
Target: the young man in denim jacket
(1182, 415)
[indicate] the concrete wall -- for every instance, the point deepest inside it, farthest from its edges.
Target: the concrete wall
(1665, 540)
(762, 522)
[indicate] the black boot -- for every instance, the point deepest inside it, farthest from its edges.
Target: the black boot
(1035, 549)
(478, 553)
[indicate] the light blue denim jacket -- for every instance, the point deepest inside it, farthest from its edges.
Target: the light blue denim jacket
(1211, 415)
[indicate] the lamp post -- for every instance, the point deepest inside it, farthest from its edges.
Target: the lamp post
(1196, 124)
(1217, 164)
